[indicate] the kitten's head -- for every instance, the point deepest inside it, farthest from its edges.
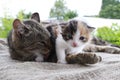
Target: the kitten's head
(30, 35)
(77, 33)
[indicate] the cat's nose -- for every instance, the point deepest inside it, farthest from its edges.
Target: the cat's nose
(74, 44)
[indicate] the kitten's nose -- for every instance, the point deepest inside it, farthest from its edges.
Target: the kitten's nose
(74, 44)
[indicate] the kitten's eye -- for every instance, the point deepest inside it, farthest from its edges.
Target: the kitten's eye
(82, 38)
(70, 36)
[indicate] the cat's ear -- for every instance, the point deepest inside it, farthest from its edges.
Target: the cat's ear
(73, 25)
(91, 28)
(16, 23)
(36, 17)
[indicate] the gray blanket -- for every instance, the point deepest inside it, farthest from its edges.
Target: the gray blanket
(108, 69)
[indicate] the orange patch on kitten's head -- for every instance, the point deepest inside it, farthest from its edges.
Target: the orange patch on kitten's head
(85, 31)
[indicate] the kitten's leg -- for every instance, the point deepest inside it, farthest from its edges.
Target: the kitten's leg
(83, 58)
(39, 57)
(61, 56)
(60, 49)
(110, 49)
(96, 48)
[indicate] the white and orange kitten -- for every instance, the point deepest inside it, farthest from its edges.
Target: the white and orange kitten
(72, 39)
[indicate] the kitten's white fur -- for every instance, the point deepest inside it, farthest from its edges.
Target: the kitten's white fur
(62, 45)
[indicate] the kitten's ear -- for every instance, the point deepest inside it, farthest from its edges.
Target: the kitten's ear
(73, 25)
(16, 23)
(91, 28)
(36, 17)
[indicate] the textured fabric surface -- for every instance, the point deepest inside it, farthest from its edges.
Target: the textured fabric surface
(108, 69)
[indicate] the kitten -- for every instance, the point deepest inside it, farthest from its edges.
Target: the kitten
(71, 40)
(29, 40)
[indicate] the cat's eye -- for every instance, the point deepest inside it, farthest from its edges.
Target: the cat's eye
(69, 36)
(82, 38)
(26, 30)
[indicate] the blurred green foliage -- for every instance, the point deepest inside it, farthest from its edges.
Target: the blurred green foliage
(61, 12)
(105, 3)
(70, 14)
(21, 15)
(58, 10)
(6, 22)
(110, 9)
(110, 34)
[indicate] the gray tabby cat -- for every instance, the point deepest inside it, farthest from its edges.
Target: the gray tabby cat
(29, 40)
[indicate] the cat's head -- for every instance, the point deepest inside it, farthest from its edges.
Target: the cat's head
(77, 33)
(30, 34)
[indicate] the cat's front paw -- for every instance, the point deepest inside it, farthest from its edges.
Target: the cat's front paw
(62, 61)
(89, 58)
(83, 58)
(39, 59)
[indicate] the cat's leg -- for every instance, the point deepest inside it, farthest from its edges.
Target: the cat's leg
(60, 49)
(97, 48)
(110, 49)
(83, 58)
(61, 56)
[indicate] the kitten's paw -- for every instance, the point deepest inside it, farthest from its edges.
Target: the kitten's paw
(39, 59)
(86, 58)
(91, 58)
(62, 61)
